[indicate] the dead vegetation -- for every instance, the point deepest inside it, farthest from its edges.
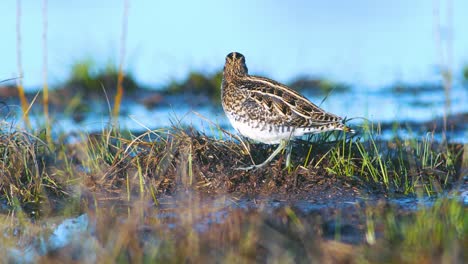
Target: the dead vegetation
(125, 166)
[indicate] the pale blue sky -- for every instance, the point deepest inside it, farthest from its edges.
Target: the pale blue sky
(365, 42)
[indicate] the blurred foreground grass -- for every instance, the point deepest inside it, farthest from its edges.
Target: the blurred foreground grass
(194, 232)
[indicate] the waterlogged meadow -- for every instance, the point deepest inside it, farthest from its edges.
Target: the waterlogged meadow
(100, 168)
(173, 194)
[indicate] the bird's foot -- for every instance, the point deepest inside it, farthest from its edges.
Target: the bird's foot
(249, 168)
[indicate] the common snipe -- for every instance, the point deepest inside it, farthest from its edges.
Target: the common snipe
(269, 112)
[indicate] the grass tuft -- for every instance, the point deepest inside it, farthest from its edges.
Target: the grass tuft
(88, 78)
(318, 86)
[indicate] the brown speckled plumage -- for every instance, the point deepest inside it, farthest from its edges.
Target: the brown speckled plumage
(269, 105)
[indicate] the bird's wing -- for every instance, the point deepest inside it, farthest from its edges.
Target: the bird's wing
(285, 104)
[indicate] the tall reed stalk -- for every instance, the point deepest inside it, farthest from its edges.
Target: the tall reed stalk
(119, 94)
(19, 82)
(45, 86)
(444, 49)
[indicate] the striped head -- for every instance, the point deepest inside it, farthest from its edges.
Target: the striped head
(235, 65)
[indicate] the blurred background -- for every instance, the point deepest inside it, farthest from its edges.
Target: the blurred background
(385, 61)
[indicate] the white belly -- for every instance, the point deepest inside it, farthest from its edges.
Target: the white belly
(264, 133)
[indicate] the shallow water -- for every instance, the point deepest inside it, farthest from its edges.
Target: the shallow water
(382, 106)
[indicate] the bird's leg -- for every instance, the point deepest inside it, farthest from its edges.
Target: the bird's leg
(288, 154)
(281, 146)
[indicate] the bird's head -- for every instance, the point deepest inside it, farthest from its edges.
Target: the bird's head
(235, 65)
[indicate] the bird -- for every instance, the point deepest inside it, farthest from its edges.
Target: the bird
(269, 112)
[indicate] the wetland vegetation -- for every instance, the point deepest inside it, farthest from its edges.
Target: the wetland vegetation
(172, 194)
